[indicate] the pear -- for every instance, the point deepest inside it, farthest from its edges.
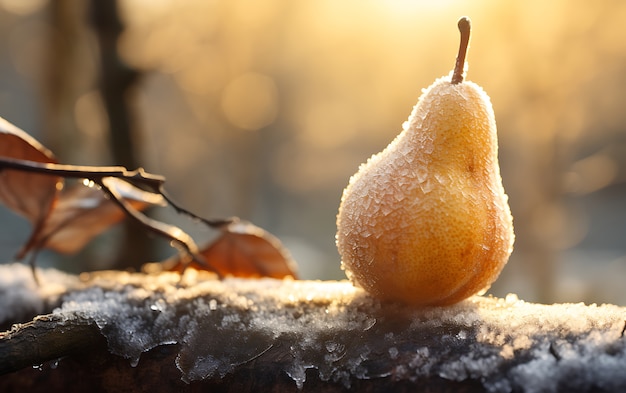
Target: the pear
(426, 221)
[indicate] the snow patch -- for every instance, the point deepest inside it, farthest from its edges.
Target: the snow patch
(20, 296)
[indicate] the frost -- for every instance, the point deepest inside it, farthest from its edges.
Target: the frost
(428, 147)
(427, 186)
(297, 372)
(443, 179)
(386, 209)
(332, 331)
(398, 196)
(422, 174)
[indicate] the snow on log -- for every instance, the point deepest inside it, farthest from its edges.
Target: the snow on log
(114, 330)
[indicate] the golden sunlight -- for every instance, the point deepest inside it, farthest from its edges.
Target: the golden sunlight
(324, 84)
(331, 83)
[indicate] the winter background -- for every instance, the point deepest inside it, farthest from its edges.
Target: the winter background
(265, 109)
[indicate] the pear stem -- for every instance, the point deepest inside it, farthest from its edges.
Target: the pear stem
(464, 27)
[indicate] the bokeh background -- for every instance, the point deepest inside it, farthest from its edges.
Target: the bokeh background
(263, 110)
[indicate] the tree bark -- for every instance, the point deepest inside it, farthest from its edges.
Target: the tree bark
(74, 358)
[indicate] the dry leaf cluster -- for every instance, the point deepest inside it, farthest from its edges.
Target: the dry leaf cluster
(67, 217)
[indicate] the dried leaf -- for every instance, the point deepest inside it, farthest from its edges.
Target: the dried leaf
(67, 222)
(84, 211)
(31, 195)
(245, 250)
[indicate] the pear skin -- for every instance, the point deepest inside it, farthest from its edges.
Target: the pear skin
(426, 221)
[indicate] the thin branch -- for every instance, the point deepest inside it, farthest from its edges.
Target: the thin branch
(212, 223)
(31, 263)
(136, 177)
(178, 237)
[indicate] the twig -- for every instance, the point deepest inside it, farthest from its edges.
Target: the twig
(175, 234)
(213, 223)
(138, 177)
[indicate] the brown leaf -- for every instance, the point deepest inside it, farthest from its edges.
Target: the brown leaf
(28, 194)
(245, 250)
(84, 211)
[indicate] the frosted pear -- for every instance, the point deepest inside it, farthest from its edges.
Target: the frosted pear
(426, 221)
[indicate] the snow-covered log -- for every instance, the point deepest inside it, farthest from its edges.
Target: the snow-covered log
(117, 331)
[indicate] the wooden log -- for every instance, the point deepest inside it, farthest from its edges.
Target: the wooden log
(115, 331)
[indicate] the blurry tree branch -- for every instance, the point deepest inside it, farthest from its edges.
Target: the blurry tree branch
(117, 86)
(64, 74)
(117, 82)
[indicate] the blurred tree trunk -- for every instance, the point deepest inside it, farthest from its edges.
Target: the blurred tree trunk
(60, 84)
(68, 74)
(117, 85)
